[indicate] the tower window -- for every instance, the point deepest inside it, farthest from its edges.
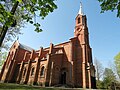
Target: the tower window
(24, 72)
(32, 72)
(42, 71)
(78, 20)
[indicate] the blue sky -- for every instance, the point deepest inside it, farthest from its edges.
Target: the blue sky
(104, 29)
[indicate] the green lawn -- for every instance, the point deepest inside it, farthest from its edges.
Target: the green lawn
(23, 87)
(11, 86)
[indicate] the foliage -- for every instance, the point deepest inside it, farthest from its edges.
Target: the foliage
(25, 11)
(13, 31)
(110, 5)
(108, 78)
(99, 84)
(31, 8)
(99, 72)
(3, 56)
(117, 64)
(99, 69)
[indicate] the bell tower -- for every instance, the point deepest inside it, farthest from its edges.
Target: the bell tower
(83, 51)
(81, 30)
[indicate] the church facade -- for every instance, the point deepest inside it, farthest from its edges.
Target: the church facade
(69, 63)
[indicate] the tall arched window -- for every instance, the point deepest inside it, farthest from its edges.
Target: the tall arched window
(24, 72)
(42, 71)
(32, 71)
(78, 20)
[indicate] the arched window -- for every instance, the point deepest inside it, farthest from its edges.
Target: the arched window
(32, 71)
(24, 72)
(78, 20)
(42, 71)
(46, 56)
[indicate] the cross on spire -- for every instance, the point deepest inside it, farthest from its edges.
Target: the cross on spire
(81, 9)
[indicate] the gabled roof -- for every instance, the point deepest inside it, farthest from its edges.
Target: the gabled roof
(22, 46)
(26, 47)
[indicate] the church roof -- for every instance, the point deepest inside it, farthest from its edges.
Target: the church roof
(26, 47)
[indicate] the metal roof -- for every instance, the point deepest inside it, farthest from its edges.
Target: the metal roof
(26, 47)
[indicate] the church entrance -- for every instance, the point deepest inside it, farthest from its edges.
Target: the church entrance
(63, 78)
(15, 74)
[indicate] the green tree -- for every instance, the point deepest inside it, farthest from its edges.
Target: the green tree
(117, 64)
(108, 78)
(30, 9)
(99, 72)
(3, 56)
(111, 5)
(12, 31)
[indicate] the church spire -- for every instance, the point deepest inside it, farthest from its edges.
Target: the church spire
(81, 9)
(81, 22)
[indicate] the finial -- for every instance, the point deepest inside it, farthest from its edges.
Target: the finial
(80, 10)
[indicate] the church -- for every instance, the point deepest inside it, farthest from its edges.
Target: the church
(68, 63)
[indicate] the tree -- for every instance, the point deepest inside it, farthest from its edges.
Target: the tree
(3, 56)
(110, 5)
(99, 69)
(12, 31)
(30, 9)
(99, 72)
(117, 64)
(109, 77)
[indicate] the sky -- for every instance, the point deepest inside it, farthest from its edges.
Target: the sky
(58, 27)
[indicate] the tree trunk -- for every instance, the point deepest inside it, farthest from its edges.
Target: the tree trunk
(5, 28)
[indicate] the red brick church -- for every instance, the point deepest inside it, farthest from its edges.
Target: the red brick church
(69, 63)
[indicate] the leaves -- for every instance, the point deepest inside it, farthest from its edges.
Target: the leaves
(117, 63)
(34, 1)
(20, 1)
(37, 25)
(3, 56)
(109, 77)
(25, 11)
(29, 9)
(99, 72)
(41, 7)
(38, 30)
(31, 22)
(111, 5)
(99, 69)
(14, 22)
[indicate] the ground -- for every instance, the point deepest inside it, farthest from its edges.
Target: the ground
(26, 87)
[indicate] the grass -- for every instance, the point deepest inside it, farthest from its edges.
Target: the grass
(22, 87)
(11, 86)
